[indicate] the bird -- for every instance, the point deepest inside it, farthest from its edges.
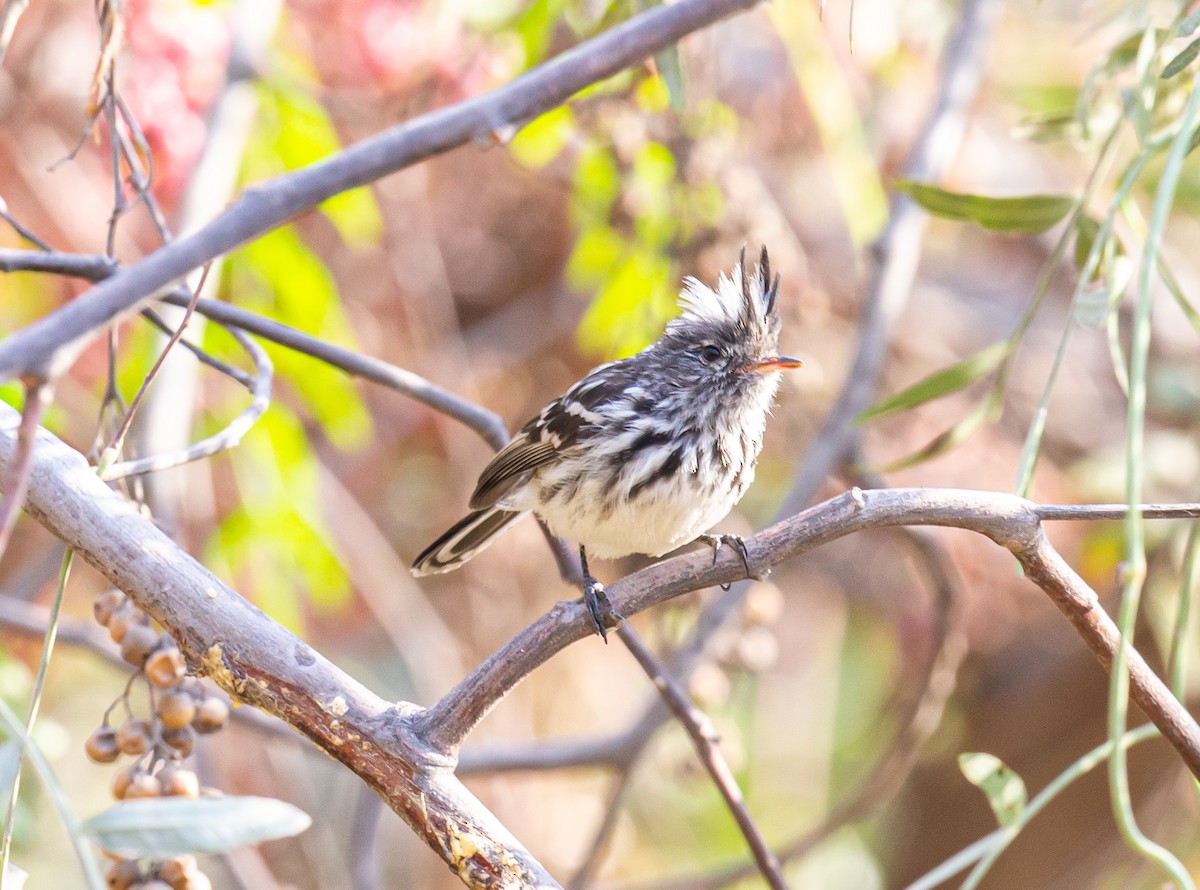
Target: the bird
(646, 453)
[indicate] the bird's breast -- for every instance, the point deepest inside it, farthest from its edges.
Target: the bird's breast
(652, 482)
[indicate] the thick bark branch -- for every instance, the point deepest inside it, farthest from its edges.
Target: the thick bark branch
(265, 665)
(407, 755)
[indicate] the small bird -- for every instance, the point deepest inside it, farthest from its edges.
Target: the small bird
(646, 453)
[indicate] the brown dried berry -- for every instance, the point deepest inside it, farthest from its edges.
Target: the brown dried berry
(196, 881)
(101, 746)
(166, 667)
(177, 869)
(122, 874)
(211, 715)
(176, 709)
(105, 603)
(143, 785)
(122, 779)
(139, 641)
(126, 615)
(178, 782)
(134, 736)
(181, 738)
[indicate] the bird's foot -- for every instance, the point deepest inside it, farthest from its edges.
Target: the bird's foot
(599, 607)
(734, 541)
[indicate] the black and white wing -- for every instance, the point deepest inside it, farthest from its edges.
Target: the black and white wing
(563, 424)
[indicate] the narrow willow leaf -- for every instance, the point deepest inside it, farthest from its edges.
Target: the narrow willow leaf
(670, 68)
(949, 439)
(1091, 306)
(942, 383)
(1086, 229)
(1025, 213)
(1188, 26)
(169, 826)
(1004, 789)
(1186, 56)
(1116, 352)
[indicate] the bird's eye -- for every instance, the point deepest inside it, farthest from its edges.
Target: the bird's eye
(709, 352)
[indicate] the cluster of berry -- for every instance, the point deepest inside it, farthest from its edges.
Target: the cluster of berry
(181, 707)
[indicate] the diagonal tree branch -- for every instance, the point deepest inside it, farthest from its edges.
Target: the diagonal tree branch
(50, 344)
(406, 754)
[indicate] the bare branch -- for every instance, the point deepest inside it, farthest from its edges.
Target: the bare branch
(707, 743)
(93, 267)
(51, 343)
(486, 423)
(1010, 521)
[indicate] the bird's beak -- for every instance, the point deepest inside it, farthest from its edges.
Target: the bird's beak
(776, 363)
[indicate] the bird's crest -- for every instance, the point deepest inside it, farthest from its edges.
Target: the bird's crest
(745, 301)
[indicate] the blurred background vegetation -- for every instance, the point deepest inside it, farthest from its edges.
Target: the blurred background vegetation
(504, 272)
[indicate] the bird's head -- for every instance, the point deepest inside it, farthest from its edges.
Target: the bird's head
(730, 334)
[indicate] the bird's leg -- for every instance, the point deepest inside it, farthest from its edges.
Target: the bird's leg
(594, 597)
(734, 541)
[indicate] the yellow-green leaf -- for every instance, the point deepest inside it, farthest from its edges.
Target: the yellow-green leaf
(944, 382)
(542, 140)
(1004, 789)
(1024, 213)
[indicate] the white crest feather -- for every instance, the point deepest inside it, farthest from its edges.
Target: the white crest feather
(724, 304)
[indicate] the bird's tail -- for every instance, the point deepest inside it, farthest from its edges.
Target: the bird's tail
(464, 539)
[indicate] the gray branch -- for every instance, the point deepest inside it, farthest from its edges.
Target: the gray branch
(44, 348)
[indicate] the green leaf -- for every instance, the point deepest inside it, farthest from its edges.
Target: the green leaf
(942, 383)
(1005, 790)
(949, 439)
(670, 68)
(294, 130)
(1026, 213)
(169, 826)
(1186, 56)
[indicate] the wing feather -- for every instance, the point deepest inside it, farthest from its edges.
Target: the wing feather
(520, 457)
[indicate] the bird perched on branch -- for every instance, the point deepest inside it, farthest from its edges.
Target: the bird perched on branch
(644, 454)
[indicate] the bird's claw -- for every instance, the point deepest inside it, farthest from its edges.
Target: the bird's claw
(734, 541)
(600, 607)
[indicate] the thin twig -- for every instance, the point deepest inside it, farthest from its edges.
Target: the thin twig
(118, 439)
(704, 737)
(246, 380)
(38, 394)
(486, 423)
(227, 438)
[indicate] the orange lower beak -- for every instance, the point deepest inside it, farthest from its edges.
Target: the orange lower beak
(777, 363)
